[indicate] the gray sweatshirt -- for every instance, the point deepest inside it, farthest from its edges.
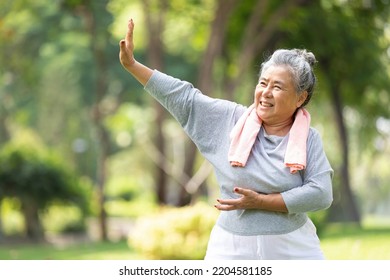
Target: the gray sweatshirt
(208, 122)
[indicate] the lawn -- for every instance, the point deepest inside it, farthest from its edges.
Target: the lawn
(339, 242)
(349, 243)
(83, 251)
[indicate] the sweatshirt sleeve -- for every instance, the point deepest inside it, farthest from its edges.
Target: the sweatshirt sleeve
(316, 191)
(199, 115)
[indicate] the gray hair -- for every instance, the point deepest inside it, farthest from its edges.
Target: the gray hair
(300, 63)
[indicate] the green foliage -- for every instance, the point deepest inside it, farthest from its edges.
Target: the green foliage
(374, 172)
(352, 50)
(39, 179)
(319, 219)
(130, 185)
(63, 219)
(174, 233)
(27, 174)
(129, 196)
(130, 209)
(11, 217)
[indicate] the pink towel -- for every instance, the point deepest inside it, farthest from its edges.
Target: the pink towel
(244, 133)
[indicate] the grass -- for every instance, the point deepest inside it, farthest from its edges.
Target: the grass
(84, 251)
(351, 243)
(339, 242)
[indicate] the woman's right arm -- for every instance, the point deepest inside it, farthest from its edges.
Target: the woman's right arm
(199, 115)
(126, 56)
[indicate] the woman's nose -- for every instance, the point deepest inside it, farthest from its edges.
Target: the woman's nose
(267, 92)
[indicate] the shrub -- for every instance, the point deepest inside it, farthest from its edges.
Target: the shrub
(38, 179)
(174, 233)
(63, 219)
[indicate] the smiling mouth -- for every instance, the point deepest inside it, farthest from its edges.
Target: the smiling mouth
(266, 104)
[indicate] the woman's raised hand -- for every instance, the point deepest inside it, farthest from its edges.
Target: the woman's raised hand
(126, 55)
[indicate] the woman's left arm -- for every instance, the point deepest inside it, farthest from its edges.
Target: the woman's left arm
(315, 193)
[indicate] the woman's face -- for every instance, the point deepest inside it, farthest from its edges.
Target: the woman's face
(276, 99)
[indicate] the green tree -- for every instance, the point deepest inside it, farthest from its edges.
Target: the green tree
(37, 180)
(21, 35)
(60, 68)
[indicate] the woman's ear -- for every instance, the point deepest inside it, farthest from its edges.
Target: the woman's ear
(302, 98)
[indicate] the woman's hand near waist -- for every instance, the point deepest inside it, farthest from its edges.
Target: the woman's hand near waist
(250, 199)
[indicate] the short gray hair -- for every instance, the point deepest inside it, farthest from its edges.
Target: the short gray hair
(300, 63)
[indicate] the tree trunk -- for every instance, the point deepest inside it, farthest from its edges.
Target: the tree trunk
(102, 137)
(215, 44)
(347, 202)
(155, 23)
(34, 229)
(101, 171)
(101, 85)
(345, 209)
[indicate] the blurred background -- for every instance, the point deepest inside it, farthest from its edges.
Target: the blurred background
(91, 167)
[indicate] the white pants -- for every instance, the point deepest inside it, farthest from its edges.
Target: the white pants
(301, 244)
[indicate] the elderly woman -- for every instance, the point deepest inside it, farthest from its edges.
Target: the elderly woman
(269, 163)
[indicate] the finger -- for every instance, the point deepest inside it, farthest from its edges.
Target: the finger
(224, 207)
(130, 29)
(233, 202)
(244, 192)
